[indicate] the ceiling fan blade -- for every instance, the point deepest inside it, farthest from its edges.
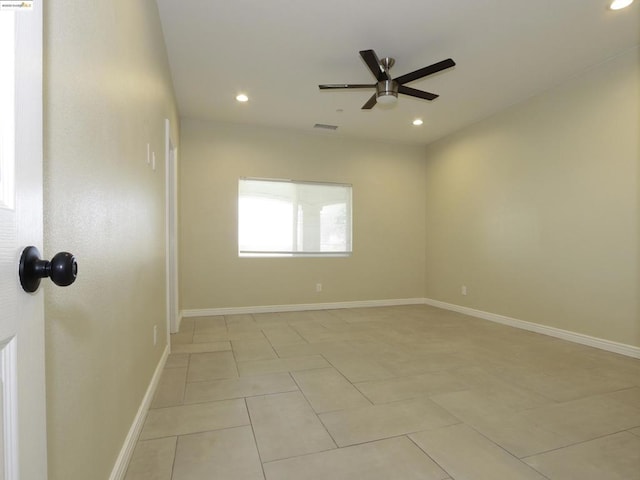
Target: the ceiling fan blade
(370, 103)
(416, 93)
(423, 72)
(346, 85)
(373, 62)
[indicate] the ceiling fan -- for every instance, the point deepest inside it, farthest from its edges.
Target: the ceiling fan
(387, 88)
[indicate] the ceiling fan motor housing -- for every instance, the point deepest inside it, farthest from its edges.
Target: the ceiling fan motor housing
(387, 91)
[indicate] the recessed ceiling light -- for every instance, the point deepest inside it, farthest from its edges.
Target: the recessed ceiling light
(417, 122)
(242, 98)
(620, 4)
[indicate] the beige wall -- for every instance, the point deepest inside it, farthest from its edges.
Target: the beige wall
(536, 209)
(107, 94)
(388, 206)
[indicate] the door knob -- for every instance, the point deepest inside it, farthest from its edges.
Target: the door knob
(62, 269)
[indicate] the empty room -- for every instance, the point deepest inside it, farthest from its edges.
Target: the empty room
(320, 240)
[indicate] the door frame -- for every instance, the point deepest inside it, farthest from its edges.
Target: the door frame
(171, 231)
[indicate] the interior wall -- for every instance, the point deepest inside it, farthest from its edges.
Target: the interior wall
(536, 209)
(388, 217)
(108, 91)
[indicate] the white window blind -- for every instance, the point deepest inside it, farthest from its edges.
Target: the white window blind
(292, 218)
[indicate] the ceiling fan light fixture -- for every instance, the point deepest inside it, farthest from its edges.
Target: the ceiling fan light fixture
(241, 97)
(417, 122)
(620, 4)
(387, 98)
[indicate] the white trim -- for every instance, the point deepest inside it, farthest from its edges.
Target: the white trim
(602, 344)
(178, 322)
(171, 230)
(206, 312)
(122, 462)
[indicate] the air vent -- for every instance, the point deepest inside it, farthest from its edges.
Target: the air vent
(325, 126)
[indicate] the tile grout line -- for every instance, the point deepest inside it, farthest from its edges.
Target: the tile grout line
(255, 440)
(198, 432)
(574, 444)
(314, 412)
(520, 460)
(428, 456)
(175, 455)
(350, 383)
(186, 377)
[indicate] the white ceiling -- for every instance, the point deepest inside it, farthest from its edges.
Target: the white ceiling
(278, 51)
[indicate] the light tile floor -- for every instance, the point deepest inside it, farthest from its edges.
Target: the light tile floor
(407, 392)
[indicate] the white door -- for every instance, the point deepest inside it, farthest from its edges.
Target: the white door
(23, 451)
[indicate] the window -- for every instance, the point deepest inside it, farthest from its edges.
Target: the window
(290, 218)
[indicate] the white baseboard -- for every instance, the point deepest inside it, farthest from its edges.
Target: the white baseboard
(207, 312)
(608, 345)
(122, 462)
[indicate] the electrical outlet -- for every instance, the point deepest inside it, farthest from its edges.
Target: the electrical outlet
(155, 335)
(463, 290)
(318, 287)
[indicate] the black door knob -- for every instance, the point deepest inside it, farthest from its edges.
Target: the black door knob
(62, 269)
